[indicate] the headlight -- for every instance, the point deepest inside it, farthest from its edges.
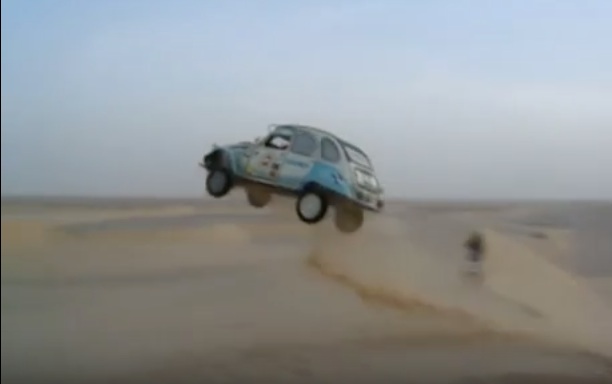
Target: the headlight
(374, 181)
(361, 177)
(366, 179)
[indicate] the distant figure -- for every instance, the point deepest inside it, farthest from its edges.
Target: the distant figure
(475, 253)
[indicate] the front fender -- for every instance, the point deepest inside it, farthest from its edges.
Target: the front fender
(329, 178)
(217, 158)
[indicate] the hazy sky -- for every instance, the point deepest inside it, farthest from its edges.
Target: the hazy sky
(450, 98)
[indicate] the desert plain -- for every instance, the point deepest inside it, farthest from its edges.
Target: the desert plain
(108, 290)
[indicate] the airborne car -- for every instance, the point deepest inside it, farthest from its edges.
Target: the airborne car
(317, 167)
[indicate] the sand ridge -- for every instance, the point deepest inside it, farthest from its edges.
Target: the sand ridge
(522, 291)
(27, 235)
(228, 286)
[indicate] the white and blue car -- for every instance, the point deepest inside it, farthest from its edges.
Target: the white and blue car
(317, 167)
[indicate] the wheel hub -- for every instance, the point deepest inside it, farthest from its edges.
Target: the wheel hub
(310, 205)
(217, 181)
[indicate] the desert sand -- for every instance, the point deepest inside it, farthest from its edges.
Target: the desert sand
(152, 290)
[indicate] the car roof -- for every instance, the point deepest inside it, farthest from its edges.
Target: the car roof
(309, 128)
(342, 142)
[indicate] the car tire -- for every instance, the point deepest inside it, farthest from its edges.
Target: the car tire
(311, 206)
(218, 183)
(258, 198)
(348, 219)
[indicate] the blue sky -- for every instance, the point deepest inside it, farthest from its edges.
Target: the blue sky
(469, 99)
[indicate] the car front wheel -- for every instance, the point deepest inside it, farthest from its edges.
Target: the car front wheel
(218, 183)
(311, 207)
(348, 219)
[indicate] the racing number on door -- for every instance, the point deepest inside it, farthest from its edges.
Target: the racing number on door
(274, 170)
(266, 165)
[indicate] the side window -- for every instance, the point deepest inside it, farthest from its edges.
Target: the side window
(329, 151)
(304, 144)
(277, 141)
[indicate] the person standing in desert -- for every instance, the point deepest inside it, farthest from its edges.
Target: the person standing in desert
(475, 248)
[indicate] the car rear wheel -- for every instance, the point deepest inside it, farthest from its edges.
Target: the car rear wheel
(348, 219)
(311, 207)
(258, 198)
(218, 183)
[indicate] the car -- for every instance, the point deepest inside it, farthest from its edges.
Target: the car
(316, 166)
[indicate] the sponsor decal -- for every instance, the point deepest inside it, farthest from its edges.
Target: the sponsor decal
(266, 161)
(297, 163)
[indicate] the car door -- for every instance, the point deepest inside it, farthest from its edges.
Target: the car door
(297, 162)
(264, 161)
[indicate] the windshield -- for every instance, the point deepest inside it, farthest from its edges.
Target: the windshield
(356, 155)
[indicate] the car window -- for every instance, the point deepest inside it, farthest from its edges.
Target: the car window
(329, 151)
(304, 144)
(277, 141)
(356, 155)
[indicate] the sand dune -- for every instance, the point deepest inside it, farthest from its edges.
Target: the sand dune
(22, 234)
(91, 214)
(572, 311)
(222, 233)
(27, 234)
(220, 297)
(522, 293)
